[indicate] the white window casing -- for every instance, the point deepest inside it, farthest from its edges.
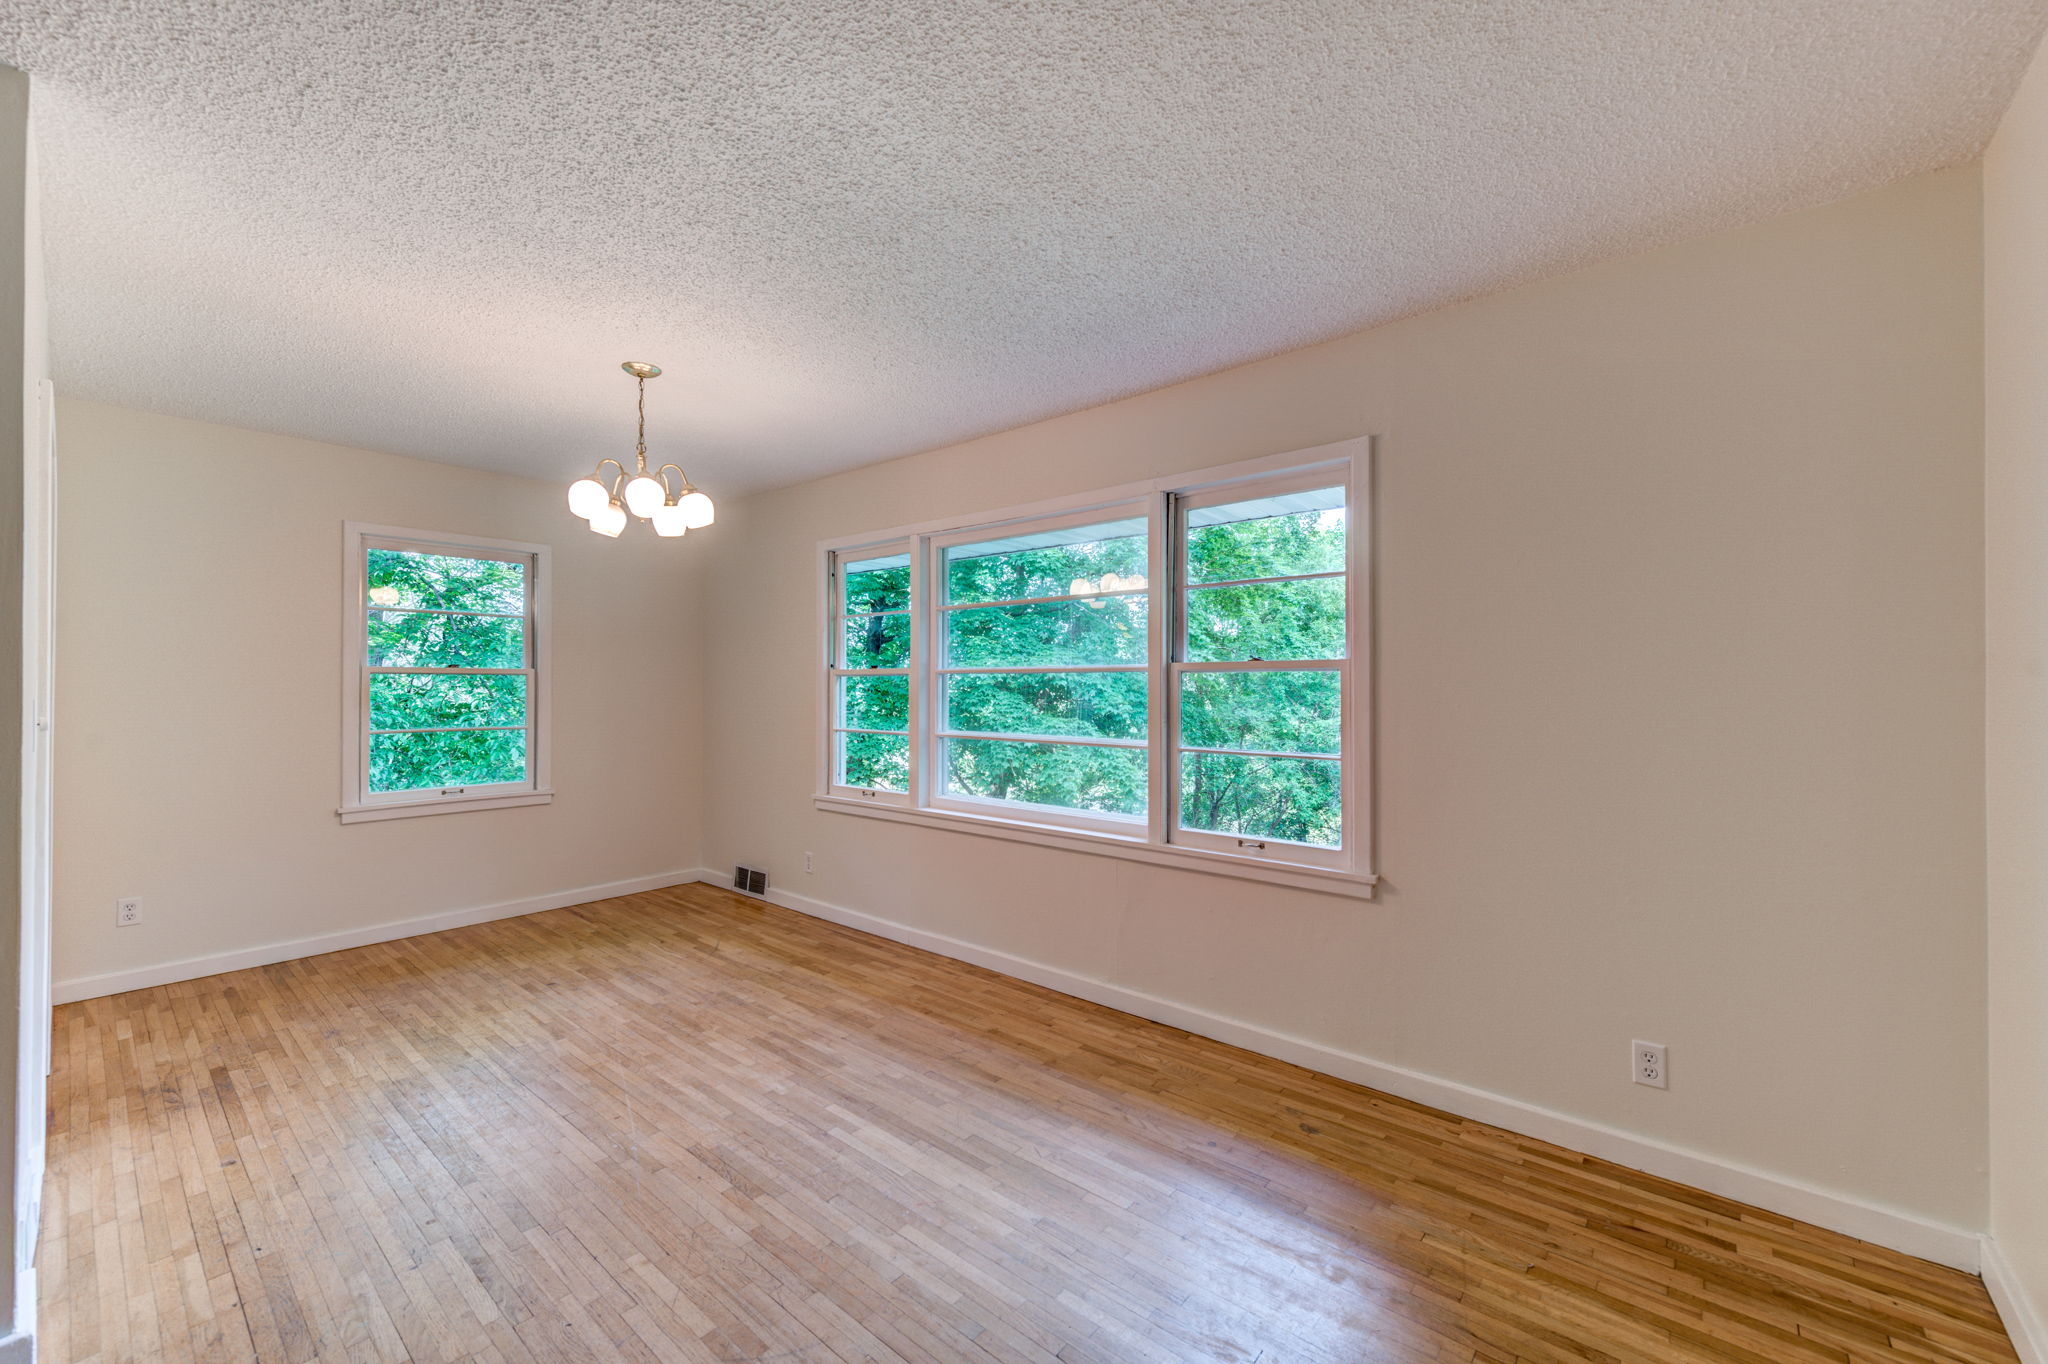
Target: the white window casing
(358, 803)
(1164, 505)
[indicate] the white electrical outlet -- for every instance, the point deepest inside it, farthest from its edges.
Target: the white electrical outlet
(1646, 1061)
(807, 863)
(127, 912)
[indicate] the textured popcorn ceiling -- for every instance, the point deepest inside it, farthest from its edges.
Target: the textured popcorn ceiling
(852, 230)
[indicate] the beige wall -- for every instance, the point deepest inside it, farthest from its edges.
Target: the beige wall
(2016, 682)
(199, 689)
(1680, 701)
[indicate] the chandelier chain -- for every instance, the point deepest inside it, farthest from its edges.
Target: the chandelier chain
(640, 448)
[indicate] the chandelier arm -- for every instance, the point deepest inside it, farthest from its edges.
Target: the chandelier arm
(614, 486)
(681, 477)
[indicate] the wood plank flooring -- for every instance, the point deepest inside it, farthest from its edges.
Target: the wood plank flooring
(688, 1126)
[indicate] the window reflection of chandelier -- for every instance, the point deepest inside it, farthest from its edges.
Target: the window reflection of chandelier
(1108, 582)
(605, 504)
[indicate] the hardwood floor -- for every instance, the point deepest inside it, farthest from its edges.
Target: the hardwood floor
(687, 1126)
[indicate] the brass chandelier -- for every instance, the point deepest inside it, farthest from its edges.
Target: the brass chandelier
(606, 503)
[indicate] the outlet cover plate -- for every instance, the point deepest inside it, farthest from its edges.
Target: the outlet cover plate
(1647, 1065)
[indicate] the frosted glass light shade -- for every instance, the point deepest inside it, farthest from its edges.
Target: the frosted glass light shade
(670, 521)
(644, 494)
(610, 520)
(587, 497)
(697, 510)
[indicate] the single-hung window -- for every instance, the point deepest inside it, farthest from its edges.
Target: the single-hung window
(445, 677)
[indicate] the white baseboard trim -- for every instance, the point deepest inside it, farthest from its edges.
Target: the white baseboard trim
(192, 968)
(1902, 1231)
(2016, 1307)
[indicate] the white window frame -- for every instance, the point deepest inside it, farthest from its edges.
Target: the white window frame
(835, 618)
(1347, 870)
(358, 803)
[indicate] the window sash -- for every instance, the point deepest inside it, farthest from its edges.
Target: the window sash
(1350, 853)
(934, 666)
(836, 618)
(1165, 505)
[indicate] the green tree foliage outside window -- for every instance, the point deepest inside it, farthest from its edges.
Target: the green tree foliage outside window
(456, 728)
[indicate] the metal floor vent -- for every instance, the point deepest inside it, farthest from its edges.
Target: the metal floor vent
(752, 880)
